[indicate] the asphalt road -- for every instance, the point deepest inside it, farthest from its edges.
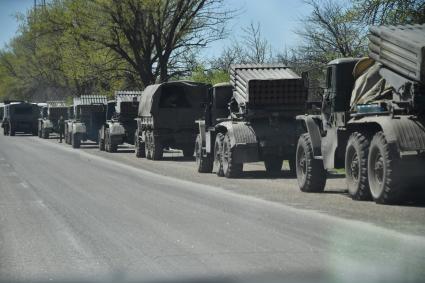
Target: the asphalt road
(71, 214)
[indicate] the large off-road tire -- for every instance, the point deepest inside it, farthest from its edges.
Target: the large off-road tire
(75, 141)
(12, 131)
(101, 143)
(203, 163)
(356, 154)
(113, 147)
(139, 147)
(273, 164)
(385, 171)
(156, 148)
(218, 152)
(148, 143)
(311, 174)
(45, 134)
(108, 145)
(231, 169)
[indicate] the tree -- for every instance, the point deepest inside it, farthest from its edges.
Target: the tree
(392, 12)
(257, 48)
(329, 33)
(251, 48)
(155, 36)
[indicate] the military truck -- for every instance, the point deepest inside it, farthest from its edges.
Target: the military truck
(216, 109)
(89, 116)
(166, 118)
(261, 125)
(49, 117)
(120, 125)
(372, 121)
(20, 116)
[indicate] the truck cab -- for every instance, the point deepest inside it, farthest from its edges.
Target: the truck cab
(49, 117)
(216, 109)
(120, 125)
(20, 116)
(337, 92)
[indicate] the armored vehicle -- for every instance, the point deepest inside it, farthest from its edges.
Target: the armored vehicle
(120, 125)
(166, 118)
(372, 121)
(49, 117)
(216, 109)
(20, 116)
(261, 125)
(89, 116)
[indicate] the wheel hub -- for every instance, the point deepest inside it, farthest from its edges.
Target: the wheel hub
(379, 168)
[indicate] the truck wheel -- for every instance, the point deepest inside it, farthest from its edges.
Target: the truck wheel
(204, 164)
(383, 164)
(76, 142)
(273, 164)
(113, 147)
(11, 131)
(139, 147)
(107, 141)
(218, 152)
(156, 148)
(356, 166)
(311, 174)
(45, 134)
(148, 145)
(101, 141)
(231, 169)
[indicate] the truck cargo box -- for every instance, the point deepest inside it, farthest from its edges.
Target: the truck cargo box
(400, 48)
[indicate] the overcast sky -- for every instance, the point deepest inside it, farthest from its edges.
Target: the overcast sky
(278, 19)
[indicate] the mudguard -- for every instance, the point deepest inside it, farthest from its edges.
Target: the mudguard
(406, 132)
(239, 132)
(313, 129)
(242, 139)
(47, 124)
(116, 129)
(78, 128)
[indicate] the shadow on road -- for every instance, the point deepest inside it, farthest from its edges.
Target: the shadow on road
(125, 150)
(178, 158)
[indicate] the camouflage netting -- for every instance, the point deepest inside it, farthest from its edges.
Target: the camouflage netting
(369, 86)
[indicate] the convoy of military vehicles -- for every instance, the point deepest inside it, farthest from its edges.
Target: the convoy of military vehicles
(371, 122)
(48, 123)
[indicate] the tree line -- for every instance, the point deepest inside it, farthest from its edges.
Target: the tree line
(75, 47)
